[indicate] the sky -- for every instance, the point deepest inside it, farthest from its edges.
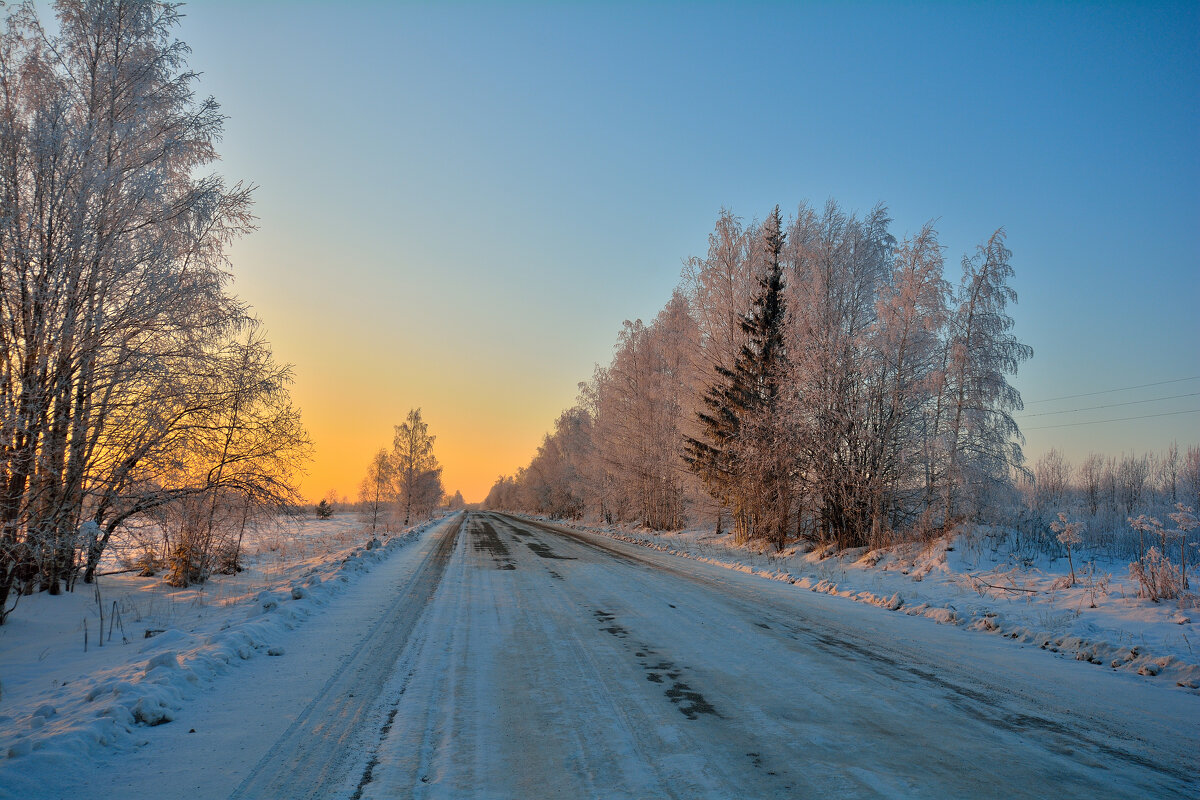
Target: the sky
(459, 203)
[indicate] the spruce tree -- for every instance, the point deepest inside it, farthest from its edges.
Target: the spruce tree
(735, 458)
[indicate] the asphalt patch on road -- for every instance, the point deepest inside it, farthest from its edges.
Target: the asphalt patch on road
(690, 702)
(605, 619)
(542, 550)
(488, 541)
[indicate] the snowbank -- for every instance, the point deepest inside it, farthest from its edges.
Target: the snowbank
(970, 580)
(161, 646)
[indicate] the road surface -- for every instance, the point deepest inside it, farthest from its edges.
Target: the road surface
(503, 658)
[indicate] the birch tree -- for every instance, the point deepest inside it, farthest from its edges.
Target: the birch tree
(415, 470)
(982, 441)
(112, 272)
(375, 492)
(838, 266)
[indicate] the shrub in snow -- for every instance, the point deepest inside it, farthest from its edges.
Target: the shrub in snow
(1157, 577)
(227, 559)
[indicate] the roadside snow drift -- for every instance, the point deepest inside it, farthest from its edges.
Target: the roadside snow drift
(62, 704)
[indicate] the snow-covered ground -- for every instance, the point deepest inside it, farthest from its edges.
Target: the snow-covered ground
(502, 658)
(157, 647)
(972, 579)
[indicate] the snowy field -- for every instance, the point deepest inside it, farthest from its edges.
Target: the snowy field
(973, 580)
(151, 648)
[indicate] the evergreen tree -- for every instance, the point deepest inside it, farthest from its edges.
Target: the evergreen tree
(739, 457)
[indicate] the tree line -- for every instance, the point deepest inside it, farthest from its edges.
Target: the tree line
(133, 383)
(810, 377)
(1139, 508)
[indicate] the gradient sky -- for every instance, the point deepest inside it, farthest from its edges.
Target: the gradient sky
(459, 203)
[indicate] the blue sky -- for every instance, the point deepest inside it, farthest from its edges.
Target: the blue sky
(461, 202)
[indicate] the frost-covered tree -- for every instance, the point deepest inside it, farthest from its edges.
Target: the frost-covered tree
(375, 493)
(504, 495)
(1189, 477)
(839, 266)
(982, 442)
(112, 268)
(638, 404)
(877, 403)
(1185, 522)
(415, 471)
(719, 288)
(1132, 475)
(911, 315)
(1051, 476)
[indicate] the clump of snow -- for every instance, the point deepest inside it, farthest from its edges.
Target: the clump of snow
(971, 579)
(156, 647)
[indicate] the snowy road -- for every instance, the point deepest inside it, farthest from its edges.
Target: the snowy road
(556, 664)
(499, 658)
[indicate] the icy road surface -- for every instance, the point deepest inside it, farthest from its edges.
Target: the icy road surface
(506, 659)
(554, 664)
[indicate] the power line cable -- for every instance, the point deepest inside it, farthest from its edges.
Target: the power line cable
(1109, 405)
(1121, 419)
(1110, 391)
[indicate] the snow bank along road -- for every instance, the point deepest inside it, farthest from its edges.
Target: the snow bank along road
(503, 658)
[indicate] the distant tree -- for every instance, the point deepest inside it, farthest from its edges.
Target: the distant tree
(504, 494)
(1051, 475)
(324, 509)
(376, 492)
(1091, 476)
(1168, 472)
(1189, 477)
(416, 474)
(1133, 472)
(456, 502)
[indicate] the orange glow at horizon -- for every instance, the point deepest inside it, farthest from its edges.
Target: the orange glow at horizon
(471, 455)
(483, 429)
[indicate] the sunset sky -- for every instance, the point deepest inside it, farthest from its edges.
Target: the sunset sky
(460, 203)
